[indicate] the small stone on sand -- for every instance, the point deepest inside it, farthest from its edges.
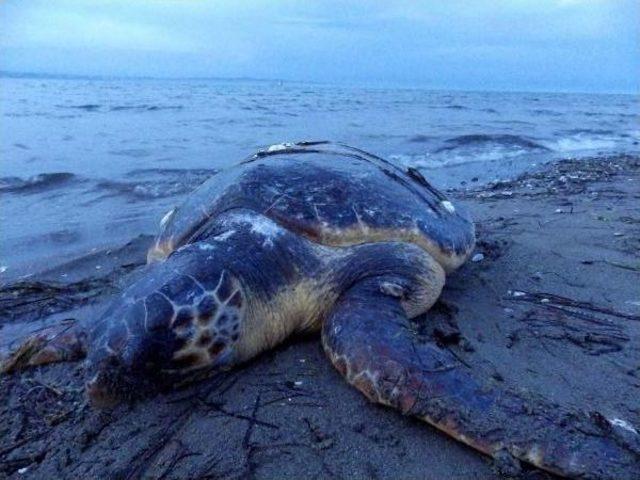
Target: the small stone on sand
(478, 257)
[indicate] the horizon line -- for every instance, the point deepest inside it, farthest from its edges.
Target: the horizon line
(350, 84)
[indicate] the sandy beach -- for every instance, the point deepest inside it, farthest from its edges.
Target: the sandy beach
(549, 303)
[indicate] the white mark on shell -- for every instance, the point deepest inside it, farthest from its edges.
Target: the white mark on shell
(268, 229)
(167, 217)
(618, 422)
(392, 289)
(259, 224)
(223, 236)
(448, 206)
(278, 147)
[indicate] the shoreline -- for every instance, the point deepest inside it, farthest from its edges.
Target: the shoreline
(455, 179)
(548, 305)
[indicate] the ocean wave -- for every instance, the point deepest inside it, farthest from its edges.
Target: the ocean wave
(421, 138)
(87, 107)
(547, 112)
(131, 152)
(430, 161)
(588, 131)
(464, 149)
(481, 140)
(512, 122)
(25, 114)
(456, 159)
(582, 142)
(189, 172)
(585, 139)
(628, 115)
(95, 107)
(142, 190)
(36, 183)
(57, 237)
(153, 183)
(144, 108)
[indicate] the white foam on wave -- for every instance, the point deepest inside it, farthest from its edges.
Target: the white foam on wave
(583, 142)
(571, 144)
(448, 159)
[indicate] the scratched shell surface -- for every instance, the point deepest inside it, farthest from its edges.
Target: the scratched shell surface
(326, 192)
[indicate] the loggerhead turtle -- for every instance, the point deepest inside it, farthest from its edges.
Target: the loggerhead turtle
(322, 236)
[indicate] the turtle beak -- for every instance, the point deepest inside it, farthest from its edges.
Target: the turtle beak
(111, 384)
(99, 396)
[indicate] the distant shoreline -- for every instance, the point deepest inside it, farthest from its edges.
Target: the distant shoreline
(72, 76)
(349, 85)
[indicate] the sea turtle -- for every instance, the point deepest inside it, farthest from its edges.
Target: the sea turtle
(318, 236)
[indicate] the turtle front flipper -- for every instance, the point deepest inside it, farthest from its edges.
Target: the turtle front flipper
(370, 340)
(59, 343)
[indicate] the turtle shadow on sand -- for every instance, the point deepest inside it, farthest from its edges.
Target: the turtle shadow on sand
(547, 310)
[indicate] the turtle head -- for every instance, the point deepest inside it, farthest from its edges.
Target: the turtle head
(173, 334)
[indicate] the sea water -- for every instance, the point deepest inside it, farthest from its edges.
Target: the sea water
(86, 163)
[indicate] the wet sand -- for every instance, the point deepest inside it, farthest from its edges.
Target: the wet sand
(551, 304)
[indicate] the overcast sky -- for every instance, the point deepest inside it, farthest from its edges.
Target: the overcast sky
(575, 45)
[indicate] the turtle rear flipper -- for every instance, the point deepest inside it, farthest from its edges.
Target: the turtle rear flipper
(58, 343)
(370, 340)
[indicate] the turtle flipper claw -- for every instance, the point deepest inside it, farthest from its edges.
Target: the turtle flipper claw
(58, 343)
(370, 340)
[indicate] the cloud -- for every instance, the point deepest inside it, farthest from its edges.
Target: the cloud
(73, 30)
(548, 44)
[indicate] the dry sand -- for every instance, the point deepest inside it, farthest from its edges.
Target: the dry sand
(552, 304)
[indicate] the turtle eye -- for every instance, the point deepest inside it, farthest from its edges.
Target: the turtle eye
(216, 348)
(188, 361)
